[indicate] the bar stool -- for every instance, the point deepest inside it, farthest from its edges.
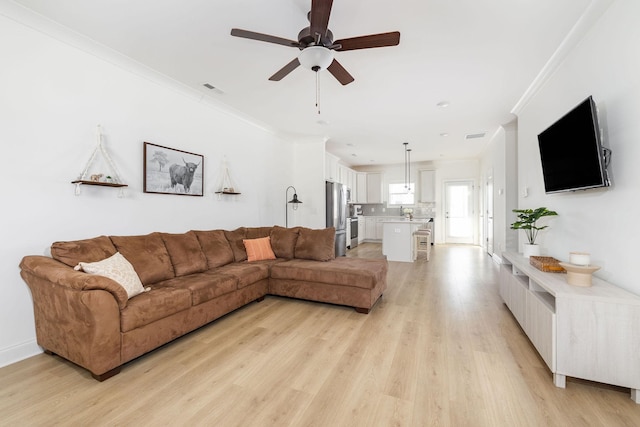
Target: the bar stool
(422, 242)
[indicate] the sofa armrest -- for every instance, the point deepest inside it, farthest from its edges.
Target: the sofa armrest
(53, 271)
(76, 314)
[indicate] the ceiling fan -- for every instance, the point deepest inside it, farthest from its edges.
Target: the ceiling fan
(316, 44)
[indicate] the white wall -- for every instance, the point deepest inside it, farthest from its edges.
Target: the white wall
(499, 161)
(604, 64)
(52, 97)
(309, 181)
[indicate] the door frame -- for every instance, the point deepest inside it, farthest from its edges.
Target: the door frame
(474, 208)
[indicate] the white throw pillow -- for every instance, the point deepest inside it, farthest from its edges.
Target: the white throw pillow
(118, 269)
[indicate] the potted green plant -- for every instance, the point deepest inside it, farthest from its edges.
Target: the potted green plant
(527, 221)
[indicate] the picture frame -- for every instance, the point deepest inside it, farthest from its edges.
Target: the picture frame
(172, 171)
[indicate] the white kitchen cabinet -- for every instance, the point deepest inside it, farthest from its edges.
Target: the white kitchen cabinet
(361, 229)
(379, 227)
(351, 184)
(427, 186)
(581, 332)
(331, 167)
(374, 187)
(370, 228)
(361, 187)
(342, 174)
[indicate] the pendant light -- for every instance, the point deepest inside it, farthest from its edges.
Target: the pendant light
(407, 167)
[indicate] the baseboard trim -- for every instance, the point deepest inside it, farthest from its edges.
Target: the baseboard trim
(19, 352)
(496, 258)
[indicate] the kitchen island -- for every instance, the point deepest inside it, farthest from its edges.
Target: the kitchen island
(397, 238)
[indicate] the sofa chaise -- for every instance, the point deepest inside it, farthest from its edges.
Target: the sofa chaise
(187, 280)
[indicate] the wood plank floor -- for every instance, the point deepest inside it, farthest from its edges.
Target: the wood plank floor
(440, 348)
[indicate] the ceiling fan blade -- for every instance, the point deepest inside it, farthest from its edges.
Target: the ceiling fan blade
(366, 42)
(236, 32)
(340, 73)
(282, 72)
(320, 11)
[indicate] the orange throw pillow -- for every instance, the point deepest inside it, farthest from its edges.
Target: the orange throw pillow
(259, 249)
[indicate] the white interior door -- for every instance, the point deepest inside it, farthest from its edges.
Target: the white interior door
(458, 211)
(489, 207)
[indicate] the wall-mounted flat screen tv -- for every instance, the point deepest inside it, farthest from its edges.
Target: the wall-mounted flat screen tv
(571, 151)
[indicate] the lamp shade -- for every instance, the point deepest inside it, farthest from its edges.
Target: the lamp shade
(316, 58)
(295, 199)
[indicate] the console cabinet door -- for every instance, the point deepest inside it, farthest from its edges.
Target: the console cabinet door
(505, 283)
(541, 326)
(519, 291)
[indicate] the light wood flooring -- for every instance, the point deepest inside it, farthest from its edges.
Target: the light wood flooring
(440, 348)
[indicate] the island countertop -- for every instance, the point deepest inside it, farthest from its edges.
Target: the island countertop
(408, 221)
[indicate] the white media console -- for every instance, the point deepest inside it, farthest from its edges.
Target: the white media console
(591, 333)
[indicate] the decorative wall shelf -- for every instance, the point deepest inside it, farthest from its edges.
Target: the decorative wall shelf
(99, 183)
(115, 181)
(226, 192)
(225, 184)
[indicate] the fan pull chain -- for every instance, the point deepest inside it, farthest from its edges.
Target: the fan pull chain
(318, 91)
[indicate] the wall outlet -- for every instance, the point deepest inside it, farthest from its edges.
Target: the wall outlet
(383, 209)
(373, 210)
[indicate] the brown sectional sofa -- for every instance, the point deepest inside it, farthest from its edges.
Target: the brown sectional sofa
(192, 279)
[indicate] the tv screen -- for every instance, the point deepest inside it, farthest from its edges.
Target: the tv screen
(571, 151)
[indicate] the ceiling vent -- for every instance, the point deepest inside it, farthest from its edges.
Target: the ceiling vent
(475, 135)
(212, 88)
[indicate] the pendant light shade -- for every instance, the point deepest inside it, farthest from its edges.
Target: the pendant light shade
(407, 166)
(316, 58)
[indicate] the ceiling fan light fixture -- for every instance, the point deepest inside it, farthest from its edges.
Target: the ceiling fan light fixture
(316, 58)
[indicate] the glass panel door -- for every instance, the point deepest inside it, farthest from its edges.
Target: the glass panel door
(459, 212)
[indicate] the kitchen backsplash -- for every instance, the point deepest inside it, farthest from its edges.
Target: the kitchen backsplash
(381, 209)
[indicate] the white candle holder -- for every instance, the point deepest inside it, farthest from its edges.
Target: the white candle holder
(580, 258)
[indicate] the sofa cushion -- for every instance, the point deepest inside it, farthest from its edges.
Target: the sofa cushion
(283, 241)
(215, 247)
(235, 238)
(317, 245)
(158, 303)
(185, 253)
(247, 273)
(88, 250)
(259, 249)
(204, 286)
(118, 269)
(258, 232)
(148, 255)
(360, 273)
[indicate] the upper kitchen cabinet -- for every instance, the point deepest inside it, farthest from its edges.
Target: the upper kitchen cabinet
(427, 186)
(374, 187)
(331, 167)
(368, 187)
(361, 187)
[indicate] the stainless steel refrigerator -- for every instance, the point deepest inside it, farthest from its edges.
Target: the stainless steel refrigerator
(337, 214)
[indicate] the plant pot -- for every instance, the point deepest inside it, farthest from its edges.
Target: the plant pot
(530, 250)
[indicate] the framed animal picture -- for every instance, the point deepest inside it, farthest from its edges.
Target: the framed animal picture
(171, 171)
